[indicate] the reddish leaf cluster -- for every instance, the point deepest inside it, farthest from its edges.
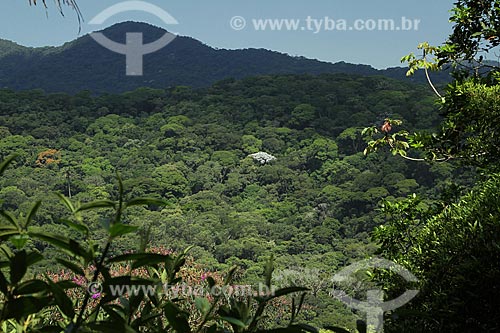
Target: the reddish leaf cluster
(47, 157)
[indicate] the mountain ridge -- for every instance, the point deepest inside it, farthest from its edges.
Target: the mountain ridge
(83, 64)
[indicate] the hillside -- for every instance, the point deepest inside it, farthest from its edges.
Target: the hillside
(85, 65)
(313, 207)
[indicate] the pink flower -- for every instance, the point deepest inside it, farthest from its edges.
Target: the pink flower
(96, 296)
(79, 280)
(204, 276)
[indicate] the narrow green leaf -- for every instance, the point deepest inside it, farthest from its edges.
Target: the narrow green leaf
(230, 275)
(286, 291)
(337, 329)
(6, 250)
(146, 202)
(268, 271)
(67, 284)
(115, 313)
(17, 240)
(69, 245)
(10, 218)
(78, 227)
(71, 266)
(119, 229)
(30, 287)
(66, 202)
(32, 214)
(141, 259)
(6, 163)
(62, 300)
(96, 204)
(233, 321)
(308, 328)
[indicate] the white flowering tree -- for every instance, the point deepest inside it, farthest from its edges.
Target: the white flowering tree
(262, 157)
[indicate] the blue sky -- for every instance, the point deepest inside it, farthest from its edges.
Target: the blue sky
(209, 22)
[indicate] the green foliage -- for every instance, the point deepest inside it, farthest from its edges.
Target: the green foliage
(313, 207)
(23, 298)
(451, 244)
(475, 31)
(455, 256)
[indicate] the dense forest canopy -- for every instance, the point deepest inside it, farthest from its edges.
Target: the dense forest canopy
(313, 207)
(268, 178)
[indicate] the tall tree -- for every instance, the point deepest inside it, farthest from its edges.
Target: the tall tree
(451, 246)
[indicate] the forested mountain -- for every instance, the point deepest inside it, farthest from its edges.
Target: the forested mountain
(84, 64)
(312, 207)
(242, 190)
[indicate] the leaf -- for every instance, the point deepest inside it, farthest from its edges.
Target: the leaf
(229, 276)
(71, 266)
(203, 305)
(115, 313)
(3, 284)
(78, 227)
(141, 259)
(67, 284)
(146, 202)
(32, 214)
(176, 318)
(9, 217)
(4, 165)
(69, 245)
(120, 229)
(66, 202)
(210, 281)
(286, 291)
(17, 240)
(62, 300)
(308, 328)
(96, 204)
(33, 257)
(296, 309)
(7, 228)
(21, 307)
(268, 271)
(30, 287)
(233, 321)
(361, 326)
(337, 329)
(6, 250)
(18, 267)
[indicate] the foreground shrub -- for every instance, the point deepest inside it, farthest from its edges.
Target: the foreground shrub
(129, 292)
